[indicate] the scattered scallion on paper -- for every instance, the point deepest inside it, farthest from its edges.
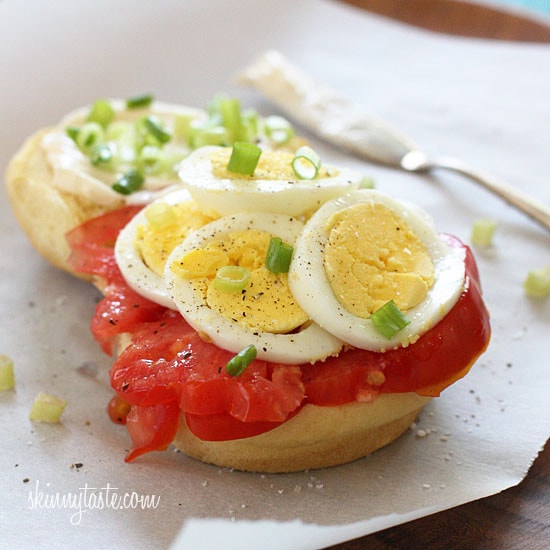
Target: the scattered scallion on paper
(47, 408)
(7, 376)
(483, 231)
(389, 320)
(537, 282)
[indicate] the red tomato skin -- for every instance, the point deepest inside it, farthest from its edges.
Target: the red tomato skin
(152, 428)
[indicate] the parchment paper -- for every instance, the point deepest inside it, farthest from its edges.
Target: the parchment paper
(485, 102)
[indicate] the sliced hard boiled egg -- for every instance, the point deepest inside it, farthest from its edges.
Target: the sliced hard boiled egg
(143, 246)
(361, 251)
(274, 187)
(260, 310)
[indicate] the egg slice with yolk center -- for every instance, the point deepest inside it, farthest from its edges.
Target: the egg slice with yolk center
(274, 187)
(264, 313)
(143, 246)
(362, 250)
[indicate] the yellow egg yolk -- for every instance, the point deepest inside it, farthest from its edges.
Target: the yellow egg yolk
(265, 304)
(272, 165)
(168, 227)
(372, 256)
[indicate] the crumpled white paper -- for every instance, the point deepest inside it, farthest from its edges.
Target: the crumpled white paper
(485, 102)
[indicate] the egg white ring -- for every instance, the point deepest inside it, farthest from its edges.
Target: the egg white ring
(309, 345)
(311, 288)
(293, 197)
(135, 271)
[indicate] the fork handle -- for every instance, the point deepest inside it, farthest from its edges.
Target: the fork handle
(535, 209)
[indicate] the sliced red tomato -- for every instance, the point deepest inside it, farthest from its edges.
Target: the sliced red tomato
(224, 427)
(152, 428)
(92, 242)
(168, 368)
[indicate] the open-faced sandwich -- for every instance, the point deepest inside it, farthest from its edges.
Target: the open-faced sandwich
(267, 312)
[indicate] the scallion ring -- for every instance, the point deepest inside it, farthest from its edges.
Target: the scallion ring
(89, 136)
(244, 158)
(278, 129)
(279, 255)
(129, 183)
(237, 365)
(231, 278)
(389, 320)
(306, 163)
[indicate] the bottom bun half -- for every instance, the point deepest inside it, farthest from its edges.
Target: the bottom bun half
(317, 437)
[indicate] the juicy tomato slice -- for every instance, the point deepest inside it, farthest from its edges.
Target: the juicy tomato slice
(224, 427)
(152, 428)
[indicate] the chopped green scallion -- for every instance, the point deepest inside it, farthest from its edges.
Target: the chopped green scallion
(47, 408)
(231, 278)
(483, 231)
(389, 320)
(90, 136)
(230, 111)
(279, 255)
(278, 129)
(102, 155)
(151, 127)
(137, 101)
(7, 377)
(238, 364)
(244, 158)
(537, 282)
(161, 215)
(101, 112)
(129, 183)
(306, 163)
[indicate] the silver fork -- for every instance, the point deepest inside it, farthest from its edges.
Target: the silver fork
(334, 118)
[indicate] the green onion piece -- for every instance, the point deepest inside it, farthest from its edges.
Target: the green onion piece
(244, 158)
(161, 215)
(537, 282)
(7, 377)
(306, 163)
(102, 155)
(249, 119)
(150, 127)
(278, 129)
(230, 110)
(483, 231)
(389, 320)
(182, 124)
(137, 101)
(47, 408)
(151, 160)
(72, 132)
(366, 183)
(129, 182)
(89, 136)
(238, 364)
(279, 255)
(231, 278)
(217, 135)
(101, 112)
